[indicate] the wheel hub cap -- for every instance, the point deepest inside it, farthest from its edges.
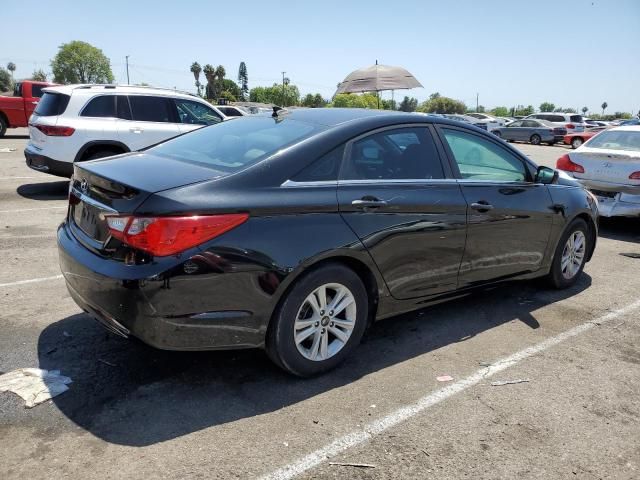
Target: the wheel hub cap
(573, 254)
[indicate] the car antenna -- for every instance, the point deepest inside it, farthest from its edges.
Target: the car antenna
(277, 111)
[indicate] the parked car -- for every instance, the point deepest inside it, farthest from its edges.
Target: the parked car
(466, 119)
(609, 165)
(591, 124)
(571, 121)
(230, 111)
(294, 232)
(577, 139)
(75, 123)
(16, 110)
(489, 120)
(532, 131)
(631, 121)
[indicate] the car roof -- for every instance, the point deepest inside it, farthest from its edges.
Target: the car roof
(625, 128)
(92, 89)
(336, 116)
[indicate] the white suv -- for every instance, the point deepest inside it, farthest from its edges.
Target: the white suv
(573, 122)
(74, 123)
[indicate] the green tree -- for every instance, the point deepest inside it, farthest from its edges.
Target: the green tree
(196, 69)
(388, 104)
(274, 94)
(440, 104)
(569, 110)
(243, 81)
(547, 107)
(585, 110)
(231, 88)
(604, 107)
(480, 109)
(408, 104)
(313, 101)
(39, 76)
(220, 73)
(5, 80)
(210, 74)
(354, 100)
(500, 112)
(12, 68)
(625, 115)
(80, 62)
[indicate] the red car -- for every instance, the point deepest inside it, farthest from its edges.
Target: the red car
(16, 110)
(577, 139)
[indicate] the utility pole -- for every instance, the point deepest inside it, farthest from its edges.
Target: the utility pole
(283, 102)
(477, 104)
(127, 61)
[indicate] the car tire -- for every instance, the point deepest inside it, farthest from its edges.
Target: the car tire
(3, 126)
(564, 270)
(324, 338)
(535, 139)
(497, 133)
(576, 142)
(551, 144)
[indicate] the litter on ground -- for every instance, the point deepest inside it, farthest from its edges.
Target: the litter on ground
(34, 385)
(444, 378)
(500, 383)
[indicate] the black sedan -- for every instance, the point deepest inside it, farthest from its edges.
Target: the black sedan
(295, 232)
(532, 131)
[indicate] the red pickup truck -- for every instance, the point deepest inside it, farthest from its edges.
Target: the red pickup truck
(16, 110)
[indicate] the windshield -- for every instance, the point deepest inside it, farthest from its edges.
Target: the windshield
(616, 140)
(236, 144)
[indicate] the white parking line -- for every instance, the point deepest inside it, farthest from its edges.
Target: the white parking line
(15, 178)
(32, 280)
(30, 209)
(402, 414)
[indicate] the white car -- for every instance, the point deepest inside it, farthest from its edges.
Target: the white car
(608, 164)
(573, 122)
(74, 123)
(490, 121)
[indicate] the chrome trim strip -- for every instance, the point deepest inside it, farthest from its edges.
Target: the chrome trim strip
(91, 201)
(397, 181)
(319, 183)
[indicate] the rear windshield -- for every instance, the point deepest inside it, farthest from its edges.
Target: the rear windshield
(236, 144)
(576, 118)
(52, 104)
(616, 140)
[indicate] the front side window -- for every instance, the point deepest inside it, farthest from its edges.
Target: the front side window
(516, 124)
(403, 153)
(102, 106)
(195, 113)
(480, 159)
(150, 109)
(530, 123)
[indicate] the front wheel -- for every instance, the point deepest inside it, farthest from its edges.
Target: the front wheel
(320, 322)
(576, 142)
(570, 255)
(535, 139)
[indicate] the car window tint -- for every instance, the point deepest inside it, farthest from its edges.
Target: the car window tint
(616, 140)
(36, 90)
(122, 107)
(530, 123)
(52, 104)
(516, 124)
(556, 118)
(231, 112)
(323, 169)
(404, 153)
(480, 159)
(102, 106)
(150, 109)
(195, 113)
(576, 118)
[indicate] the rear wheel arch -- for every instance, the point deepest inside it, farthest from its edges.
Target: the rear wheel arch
(93, 147)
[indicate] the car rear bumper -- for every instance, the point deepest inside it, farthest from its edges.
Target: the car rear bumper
(618, 205)
(46, 164)
(160, 304)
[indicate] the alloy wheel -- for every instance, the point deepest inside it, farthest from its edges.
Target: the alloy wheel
(573, 254)
(325, 321)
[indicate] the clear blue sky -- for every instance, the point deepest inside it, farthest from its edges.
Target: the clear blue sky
(573, 53)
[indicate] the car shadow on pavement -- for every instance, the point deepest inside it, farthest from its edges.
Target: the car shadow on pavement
(15, 136)
(620, 228)
(127, 393)
(45, 190)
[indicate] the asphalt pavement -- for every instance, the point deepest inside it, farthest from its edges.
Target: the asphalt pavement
(573, 410)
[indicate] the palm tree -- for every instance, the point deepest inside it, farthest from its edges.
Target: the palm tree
(220, 73)
(604, 106)
(12, 68)
(585, 110)
(210, 74)
(196, 69)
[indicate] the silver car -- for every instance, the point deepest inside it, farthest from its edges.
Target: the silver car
(532, 131)
(609, 165)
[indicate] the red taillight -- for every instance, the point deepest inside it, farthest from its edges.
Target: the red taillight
(634, 176)
(164, 236)
(565, 163)
(55, 131)
(570, 125)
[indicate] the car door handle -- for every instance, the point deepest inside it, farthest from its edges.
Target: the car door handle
(369, 202)
(136, 130)
(481, 206)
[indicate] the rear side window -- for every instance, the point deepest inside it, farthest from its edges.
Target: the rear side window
(122, 107)
(323, 169)
(230, 112)
(398, 154)
(36, 90)
(576, 118)
(102, 106)
(480, 159)
(52, 104)
(150, 109)
(556, 118)
(530, 124)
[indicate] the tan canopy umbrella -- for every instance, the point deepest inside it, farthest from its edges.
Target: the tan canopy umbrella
(377, 78)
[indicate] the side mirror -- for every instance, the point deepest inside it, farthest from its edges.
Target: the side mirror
(546, 175)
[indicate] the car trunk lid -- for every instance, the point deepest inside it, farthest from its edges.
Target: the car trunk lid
(612, 166)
